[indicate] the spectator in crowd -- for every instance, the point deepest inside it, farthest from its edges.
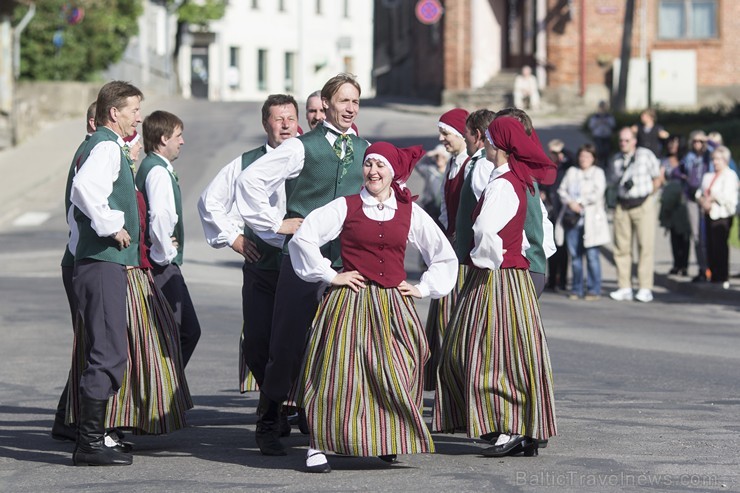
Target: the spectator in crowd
(584, 221)
(432, 170)
(650, 135)
(714, 140)
(636, 171)
(601, 125)
(526, 90)
(718, 200)
(673, 212)
(694, 165)
(557, 264)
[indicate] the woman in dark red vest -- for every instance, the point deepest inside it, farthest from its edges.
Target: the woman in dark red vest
(361, 381)
(494, 375)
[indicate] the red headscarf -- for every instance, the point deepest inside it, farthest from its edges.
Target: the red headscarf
(400, 160)
(527, 159)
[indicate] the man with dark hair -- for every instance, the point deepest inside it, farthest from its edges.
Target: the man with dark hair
(60, 430)
(106, 213)
(316, 168)
(224, 227)
(165, 236)
(314, 110)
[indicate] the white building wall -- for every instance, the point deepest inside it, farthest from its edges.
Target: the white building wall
(487, 38)
(321, 44)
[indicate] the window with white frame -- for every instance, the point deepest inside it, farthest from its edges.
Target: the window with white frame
(687, 19)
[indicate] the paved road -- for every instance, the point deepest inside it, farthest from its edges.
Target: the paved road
(647, 395)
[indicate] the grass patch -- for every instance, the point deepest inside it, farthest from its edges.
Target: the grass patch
(734, 240)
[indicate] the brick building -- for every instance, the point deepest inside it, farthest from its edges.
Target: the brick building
(682, 51)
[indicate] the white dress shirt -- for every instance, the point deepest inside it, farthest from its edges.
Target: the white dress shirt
(453, 168)
(93, 184)
(325, 224)
(162, 212)
(499, 207)
(481, 173)
(222, 223)
(256, 184)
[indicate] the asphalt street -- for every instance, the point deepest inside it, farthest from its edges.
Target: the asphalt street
(647, 395)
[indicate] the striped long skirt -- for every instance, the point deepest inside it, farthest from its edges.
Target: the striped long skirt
(437, 319)
(495, 374)
(154, 394)
(361, 380)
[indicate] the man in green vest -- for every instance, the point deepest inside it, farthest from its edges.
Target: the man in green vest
(60, 430)
(262, 254)
(106, 213)
(316, 168)
(165, 237)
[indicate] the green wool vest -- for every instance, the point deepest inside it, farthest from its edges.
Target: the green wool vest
(533, 229)
(68, 260)
(464, 220)
(320, 182)
(150, 161)
(122, 198)
(270, 256)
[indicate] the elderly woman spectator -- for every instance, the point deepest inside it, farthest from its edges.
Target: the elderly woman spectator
(717, 198)
(583, 221)
(526, 90)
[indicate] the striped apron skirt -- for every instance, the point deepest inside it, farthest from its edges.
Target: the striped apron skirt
(154, 394)
(437, 320)
(361, 379)
(494, 373)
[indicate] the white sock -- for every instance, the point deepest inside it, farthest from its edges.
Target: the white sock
(504, 438)
(315, 457)
(109, 442)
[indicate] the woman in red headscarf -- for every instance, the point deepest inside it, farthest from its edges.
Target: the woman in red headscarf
(361, 381)
(494, 376)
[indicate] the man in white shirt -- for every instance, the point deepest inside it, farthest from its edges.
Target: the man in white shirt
(315, 168)
(223, 226)
(165, 236)
(106, 213)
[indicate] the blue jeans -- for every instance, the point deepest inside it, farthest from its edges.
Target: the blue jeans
(574, 239)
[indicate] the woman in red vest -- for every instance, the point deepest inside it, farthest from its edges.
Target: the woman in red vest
(361, 382)
(494, 375)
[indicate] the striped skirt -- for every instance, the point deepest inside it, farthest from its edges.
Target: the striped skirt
(437, 320)
(247, 382)
(495, 374)
(361, 380)
(154, 394)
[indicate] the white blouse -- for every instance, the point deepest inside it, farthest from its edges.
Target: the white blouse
(325, 224)
(500, 204)
(723, 192)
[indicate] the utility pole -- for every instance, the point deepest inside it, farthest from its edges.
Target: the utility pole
(629, 12)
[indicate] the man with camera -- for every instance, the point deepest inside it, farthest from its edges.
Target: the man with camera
(636, 171)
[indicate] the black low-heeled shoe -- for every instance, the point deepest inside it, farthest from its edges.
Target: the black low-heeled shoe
(515, 445)
(390, 458)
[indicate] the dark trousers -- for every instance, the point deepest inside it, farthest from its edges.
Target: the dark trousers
(718, 252)
(100, 288)
(680, 245)
(296, 302)
(258, 301)
(67, 272)
(169, 280)
(557, 266)
(538, 279)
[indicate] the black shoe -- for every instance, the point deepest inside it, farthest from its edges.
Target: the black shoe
(60, 430)
(318, 468)
(90, 449)
(699, 278)
(390, 458)
(113, 441)
(490, 437)
(267, 433)
(516, 444)
(673, 271)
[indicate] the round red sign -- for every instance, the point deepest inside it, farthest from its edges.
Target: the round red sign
(429, 11)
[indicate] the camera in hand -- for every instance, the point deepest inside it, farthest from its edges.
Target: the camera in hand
(628, 184)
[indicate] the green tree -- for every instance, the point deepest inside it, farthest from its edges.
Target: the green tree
(55, 48)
